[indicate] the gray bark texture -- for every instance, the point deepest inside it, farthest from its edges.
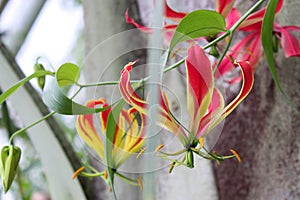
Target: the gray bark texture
(265, 132)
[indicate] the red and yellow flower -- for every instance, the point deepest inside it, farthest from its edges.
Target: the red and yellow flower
(205, 103)
(224, 7)
(250, 47)
(128, 137)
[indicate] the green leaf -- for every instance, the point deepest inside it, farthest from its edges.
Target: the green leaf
(67, 74)
(16, 86)
(199, 23)
(267, 43)
(110, 134)
(56, 100)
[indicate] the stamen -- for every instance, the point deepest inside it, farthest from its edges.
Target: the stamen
(175, 52)
(172, 165)
(201, 142)
(77, 172)
(141, 152)
(140, 183)
(227, 39)
(159, 147)
(236, 155)
(105, 175)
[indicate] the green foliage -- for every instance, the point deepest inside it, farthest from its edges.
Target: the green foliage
(268, 45)
(56, 100)
(199, 23)
(16, 86)
(67, 74)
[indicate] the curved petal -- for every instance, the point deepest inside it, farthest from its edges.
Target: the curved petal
(166, 120)
(248, 80)
(85, 128)
(134, 139)
(224, 6)
(215, 108)
(140, 27)
(200, 85)
(173, 15)
(130, 136)
(247, 49)
(128, 92)
(253, 50)
(233, 16)
(169, 31)
(254, 21)
(290, 44)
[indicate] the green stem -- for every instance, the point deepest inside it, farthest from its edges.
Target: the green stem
(37, 122)
(175, 65)
(201, 154)
(215, 41)
(227, 157)
(177, 163)
(216, 157)
(238, 23)
(98, 84)
(29, 126)
(224, 53)
(74, 95)
(173, 154)
(86, 174)
(127, 180)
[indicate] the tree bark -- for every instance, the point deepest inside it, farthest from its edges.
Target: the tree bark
(265, 131)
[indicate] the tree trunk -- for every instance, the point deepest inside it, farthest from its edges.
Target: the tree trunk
(265, 131)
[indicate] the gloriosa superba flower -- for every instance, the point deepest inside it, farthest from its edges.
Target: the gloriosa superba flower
(205, 103)
(205, 106)
(128, 136)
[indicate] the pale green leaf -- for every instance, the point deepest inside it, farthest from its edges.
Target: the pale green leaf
(16, 86)
(199, 23)
(67, 74)
(56, 100)
(267, 43)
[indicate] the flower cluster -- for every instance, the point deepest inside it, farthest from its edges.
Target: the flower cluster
(249, 48)
(205, 105)
(123, 123)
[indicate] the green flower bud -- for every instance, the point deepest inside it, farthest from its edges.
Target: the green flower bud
(9, 160)
(40, 80)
